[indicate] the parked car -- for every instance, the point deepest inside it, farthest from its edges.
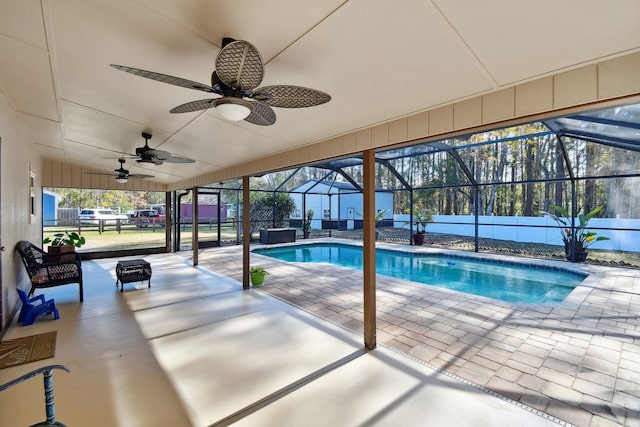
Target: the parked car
(143, 217)
(108, 216)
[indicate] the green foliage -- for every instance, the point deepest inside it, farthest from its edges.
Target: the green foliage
(422, 218)
(65, 239)
(583, 237)
(306, 224)
(258, 269)
(281, 204)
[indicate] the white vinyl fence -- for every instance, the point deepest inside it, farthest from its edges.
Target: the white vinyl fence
(532, 229)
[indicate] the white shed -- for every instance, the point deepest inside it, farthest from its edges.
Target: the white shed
(336, 205)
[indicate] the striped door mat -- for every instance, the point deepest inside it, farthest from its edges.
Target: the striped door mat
(27, 349)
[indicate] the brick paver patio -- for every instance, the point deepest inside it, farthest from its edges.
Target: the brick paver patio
(578, 361)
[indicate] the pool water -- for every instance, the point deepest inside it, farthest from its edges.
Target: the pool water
(505, 281)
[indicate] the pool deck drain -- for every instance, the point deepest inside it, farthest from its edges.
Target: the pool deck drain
(577, 361)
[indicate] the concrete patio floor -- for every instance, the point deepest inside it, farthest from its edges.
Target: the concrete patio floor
(195, 350)
(578, 361)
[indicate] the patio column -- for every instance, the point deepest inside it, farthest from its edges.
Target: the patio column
(168, 220)
(246, 231)
(369, 250)
(194, 225)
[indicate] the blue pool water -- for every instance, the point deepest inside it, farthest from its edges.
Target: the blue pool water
(498, 280)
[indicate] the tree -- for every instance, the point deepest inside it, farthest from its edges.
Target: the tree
(270, 207)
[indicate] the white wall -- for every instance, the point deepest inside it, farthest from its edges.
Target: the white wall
(340, 203)
(529, 229)
(16, 153)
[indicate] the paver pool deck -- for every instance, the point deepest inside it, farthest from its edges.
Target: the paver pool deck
(578, 360)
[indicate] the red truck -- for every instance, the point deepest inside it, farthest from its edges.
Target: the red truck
(145, 217)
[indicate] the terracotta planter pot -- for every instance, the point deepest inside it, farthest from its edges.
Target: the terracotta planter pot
(418, 239)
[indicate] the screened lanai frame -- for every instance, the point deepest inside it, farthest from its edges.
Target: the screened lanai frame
(616, 128)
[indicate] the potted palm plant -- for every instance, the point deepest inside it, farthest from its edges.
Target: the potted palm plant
(306, 224)
(421, 218)
(64, 242)
(576, 239)
(257, 274)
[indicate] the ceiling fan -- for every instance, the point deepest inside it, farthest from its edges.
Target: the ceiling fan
(121, 174)
(149, 157)
(239, 71)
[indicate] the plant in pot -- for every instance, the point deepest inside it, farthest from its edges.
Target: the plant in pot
(257, 274)
(64, 242)
(421, 219)
(578, 235)
(306, 224)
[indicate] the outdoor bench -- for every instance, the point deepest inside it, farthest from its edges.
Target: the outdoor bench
(277, 235)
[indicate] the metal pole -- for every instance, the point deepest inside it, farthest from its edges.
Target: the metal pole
(304, 212)
(411, 216)
(330, 216)
(237, 217)
(574, 201)
(246, 231)
(195, 243)
(476, 201)
(219, 224)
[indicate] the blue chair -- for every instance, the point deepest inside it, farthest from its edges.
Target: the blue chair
(30, 311)
(50, 407)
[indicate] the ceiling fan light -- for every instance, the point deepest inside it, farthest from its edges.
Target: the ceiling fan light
(146, 164)
(232, 110)
(122, 180)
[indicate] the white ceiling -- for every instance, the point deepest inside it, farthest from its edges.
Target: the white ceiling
(378, 59)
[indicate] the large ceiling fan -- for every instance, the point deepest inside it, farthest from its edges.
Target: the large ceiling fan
(239, 71)
(121, 174)
(148, 157)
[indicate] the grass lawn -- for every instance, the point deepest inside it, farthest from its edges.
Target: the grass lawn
(131, 237)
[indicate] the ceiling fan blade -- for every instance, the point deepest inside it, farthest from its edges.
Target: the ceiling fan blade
(239, 65)
(192, 106)
(139, 176)
(158, 154)
(285, 96)
(99, 173)
(165, 78)
(177, 159)
(146, 161)
(165, 157)
(122, 156)
(261, 115)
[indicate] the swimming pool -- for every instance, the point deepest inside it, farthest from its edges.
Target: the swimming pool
(505, 281)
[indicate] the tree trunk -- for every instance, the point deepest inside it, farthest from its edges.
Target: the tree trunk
(590, 185)
(528, 168)
(502, 162)
(560, 172)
